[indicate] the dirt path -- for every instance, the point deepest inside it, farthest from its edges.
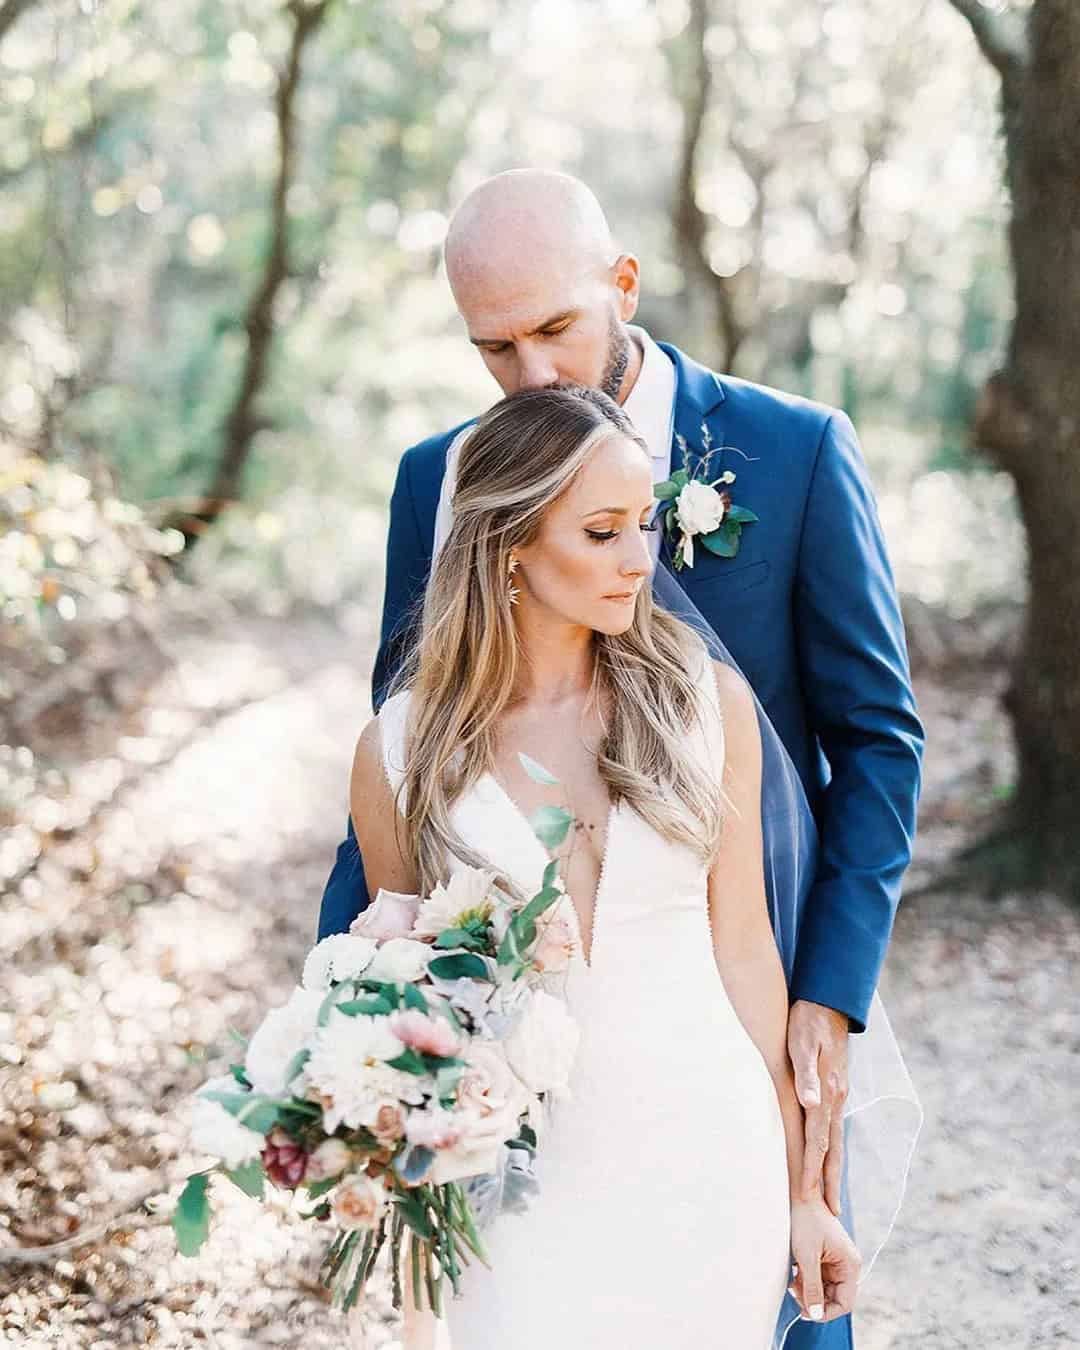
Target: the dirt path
(184, 908)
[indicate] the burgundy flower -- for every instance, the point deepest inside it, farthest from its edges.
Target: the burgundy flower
(284, 1161)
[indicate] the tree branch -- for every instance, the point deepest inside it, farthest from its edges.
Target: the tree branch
(1000, 39)
(9, 12)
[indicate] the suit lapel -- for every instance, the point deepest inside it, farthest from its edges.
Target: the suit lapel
(699, 399)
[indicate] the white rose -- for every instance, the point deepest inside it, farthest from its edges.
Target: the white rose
(542, 1044)
(399, 960)
(338, 957)
(217, 1131)
(282, 1033)
(701, 508)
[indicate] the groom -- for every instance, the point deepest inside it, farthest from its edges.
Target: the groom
(807, 607)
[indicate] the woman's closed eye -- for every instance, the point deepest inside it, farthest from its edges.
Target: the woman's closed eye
(605, 536)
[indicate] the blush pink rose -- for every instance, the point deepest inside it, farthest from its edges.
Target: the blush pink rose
(359, 1202)
(390, 915)
(555, 943)
(429, 1035)
(389, 1124)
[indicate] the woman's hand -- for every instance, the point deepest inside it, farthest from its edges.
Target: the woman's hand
(827, 1262)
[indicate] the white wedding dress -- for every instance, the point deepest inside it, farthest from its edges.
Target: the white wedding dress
(662, 1220)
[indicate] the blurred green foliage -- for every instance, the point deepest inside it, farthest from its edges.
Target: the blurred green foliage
(850, 173)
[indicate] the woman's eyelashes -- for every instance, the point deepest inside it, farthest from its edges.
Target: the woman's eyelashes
(605, 536)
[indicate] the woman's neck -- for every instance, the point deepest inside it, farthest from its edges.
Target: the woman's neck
(559, 662)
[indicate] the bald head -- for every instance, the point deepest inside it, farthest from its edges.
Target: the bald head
(529, 214)
(538, 281)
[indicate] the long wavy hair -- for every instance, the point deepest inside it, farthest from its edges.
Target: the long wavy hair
(464, 665)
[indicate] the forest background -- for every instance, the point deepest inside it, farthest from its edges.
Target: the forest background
(222, 318)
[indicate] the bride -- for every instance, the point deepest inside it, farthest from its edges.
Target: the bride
(668, 1212)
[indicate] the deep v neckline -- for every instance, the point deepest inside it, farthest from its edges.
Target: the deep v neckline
(542, 852)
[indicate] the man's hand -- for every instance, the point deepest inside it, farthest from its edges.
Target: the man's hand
(818, 1049)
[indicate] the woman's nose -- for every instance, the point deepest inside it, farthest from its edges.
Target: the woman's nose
(638, 562)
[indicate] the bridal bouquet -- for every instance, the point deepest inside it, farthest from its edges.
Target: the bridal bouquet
(403, 1082)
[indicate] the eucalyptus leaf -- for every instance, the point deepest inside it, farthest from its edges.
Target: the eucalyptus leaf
(459, 937)
(681, 477)
(741, 515)
(536, 771)
(191, 1218)
(249, 1177)
(414, 998)
(664, 492)
(409, 1061)
(375, 1006)
(296, 1064)
(540, 902)
(459, 965)
(551, 825)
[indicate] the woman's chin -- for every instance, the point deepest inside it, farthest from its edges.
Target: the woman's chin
(619, 621)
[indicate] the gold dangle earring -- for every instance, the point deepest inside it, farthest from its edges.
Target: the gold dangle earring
(512, 591)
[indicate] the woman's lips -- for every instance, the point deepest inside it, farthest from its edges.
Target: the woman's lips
(624, 597)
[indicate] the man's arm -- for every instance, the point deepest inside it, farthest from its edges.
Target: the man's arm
(407, 564)
(854, 667)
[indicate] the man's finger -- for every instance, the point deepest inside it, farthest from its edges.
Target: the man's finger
(834, 1163)
(807, 1082)
(817, 1145)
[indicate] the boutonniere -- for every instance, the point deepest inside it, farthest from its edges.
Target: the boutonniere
(699, 508)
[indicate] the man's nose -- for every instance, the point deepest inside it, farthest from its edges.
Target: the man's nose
(535, 369)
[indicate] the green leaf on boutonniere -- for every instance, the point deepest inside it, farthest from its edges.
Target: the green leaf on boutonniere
(551, 824)
(741, 515)
(664, 492)
(724, 542)
(681, 477)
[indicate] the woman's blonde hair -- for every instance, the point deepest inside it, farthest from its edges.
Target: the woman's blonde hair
(519, 459)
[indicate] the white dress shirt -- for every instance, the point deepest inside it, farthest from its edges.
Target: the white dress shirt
(650, 405)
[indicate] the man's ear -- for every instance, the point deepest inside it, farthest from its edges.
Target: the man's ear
(627, 277)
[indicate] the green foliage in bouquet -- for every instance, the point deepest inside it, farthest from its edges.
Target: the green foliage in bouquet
(387, 1028)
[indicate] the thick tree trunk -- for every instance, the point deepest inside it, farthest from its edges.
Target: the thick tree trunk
(1029, 419)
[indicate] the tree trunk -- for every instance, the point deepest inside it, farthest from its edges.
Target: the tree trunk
(1028, 419)
(242, 421)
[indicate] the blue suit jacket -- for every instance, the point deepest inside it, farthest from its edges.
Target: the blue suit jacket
(808, 608)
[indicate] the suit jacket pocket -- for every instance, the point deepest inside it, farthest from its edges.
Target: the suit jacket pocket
(723, 579)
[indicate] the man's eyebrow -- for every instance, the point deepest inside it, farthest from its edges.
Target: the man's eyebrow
(562, 317)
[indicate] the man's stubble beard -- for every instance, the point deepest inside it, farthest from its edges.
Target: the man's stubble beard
(618, 359)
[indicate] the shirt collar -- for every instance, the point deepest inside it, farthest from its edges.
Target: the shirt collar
(650, 404)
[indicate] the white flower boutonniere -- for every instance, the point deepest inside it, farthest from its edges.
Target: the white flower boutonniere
(698, 507)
